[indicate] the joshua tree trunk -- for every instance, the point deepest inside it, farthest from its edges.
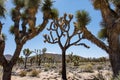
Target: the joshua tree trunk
(25, 62)
(7, 73)
(64, 65)
(7, 66)
(115, 63)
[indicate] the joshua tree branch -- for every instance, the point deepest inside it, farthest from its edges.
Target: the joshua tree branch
(88, 35)
(107, 11)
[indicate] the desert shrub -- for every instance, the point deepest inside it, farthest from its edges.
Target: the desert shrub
(87, 68)
(22, 73)
(60, 72)
(34, 73)
(76, 63)
(46, 69)
(100, 67)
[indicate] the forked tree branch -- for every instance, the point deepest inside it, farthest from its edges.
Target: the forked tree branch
(60, 29)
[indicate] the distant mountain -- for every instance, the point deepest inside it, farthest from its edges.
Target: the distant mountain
(8, 56)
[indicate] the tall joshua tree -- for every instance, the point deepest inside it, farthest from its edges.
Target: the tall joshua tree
(24, 28)
(43, 54)
(26, 53)
(110, 30)
(38, 56)
(60, 33)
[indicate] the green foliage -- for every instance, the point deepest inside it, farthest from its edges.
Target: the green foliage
(87, 68)
(44, 50)
(96, 4)
(100, 67)
(54, 13)
(2, 9)
(83, 18)
(22, 73)
(19, 3)
(32, 3)
(102, 34)
(47, 5)
(11, 30)
(24, 16)
(27, 52)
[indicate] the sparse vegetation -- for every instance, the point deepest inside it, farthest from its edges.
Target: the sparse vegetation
(23, 73)
(87, 68)
(34, 73)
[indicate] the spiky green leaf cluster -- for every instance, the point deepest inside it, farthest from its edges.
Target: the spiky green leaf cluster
(83, 18)
(2, 8)
(47, 5)
(54, 13)
(102, 34)
(11, 30)
(96, 4)
(32, 3)
(19, 3)
(27, 52)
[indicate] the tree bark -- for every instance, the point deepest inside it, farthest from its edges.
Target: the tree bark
(7, 73)
(63, 65)
(115, 63)
(25, 62)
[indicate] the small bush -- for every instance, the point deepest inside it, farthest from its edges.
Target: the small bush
(87, 68)
(34, 73)
(76, 63)
(60, 72)
(46, 69)
(22, 73)
(100, 67)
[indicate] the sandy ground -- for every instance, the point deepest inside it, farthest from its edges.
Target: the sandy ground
(52, 75)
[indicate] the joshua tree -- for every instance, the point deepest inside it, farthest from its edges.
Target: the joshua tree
(70, 57)
(60, 33)
(43, 54)
(38, 56)
(24, 28)
(27, 53)
(109, 32)
(20, 61)
(32, 60)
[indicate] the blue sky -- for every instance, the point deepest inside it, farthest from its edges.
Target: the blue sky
(64, 6)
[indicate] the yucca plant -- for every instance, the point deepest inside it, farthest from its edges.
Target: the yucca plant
(2, 8)
(19, 3)
(83, 18)
(54, 13)
(47, 5)
(96, 4)
(102, 34)
(27, 53)
(11, 30)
